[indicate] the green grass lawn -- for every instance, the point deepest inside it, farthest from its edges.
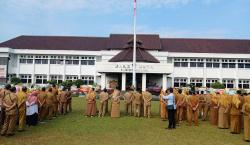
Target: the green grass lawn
(75, 129)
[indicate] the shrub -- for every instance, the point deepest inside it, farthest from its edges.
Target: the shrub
(15, 80)
(218, 85)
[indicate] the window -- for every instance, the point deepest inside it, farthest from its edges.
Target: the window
(88, 80)
(209, 82)
(23, 61)
(75, 62)
(228, 63)
(228, 83)
(180, 82)
(212, 63)
(56, 61)
(71, 78)
(184, 64)
(200, 64)
(91, 62)
(196, 82)
(177, 64)
(244, 84)
(57, 78)
(192, 64)
(41, 79)
(26, 61)
(209, 65)
(26, 78)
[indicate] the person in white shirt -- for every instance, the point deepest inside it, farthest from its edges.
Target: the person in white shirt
(171, 107)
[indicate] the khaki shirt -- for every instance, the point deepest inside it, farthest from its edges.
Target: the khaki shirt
(147, 97)
(21, 99)
(55, 93)
(42, 97)
(193, 101)
(103, 96)
(137, 98)
(128, 97)
(10, 99)
(63, 97)
(49, 99)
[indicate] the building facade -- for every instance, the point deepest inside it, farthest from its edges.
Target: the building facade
(161, 62)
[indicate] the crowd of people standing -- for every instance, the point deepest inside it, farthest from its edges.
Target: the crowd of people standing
(29, 107)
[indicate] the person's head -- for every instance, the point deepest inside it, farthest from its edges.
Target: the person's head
(171, 90)
(43, 89)
(13, 89)
(179, 91)
(50, 90)
(105, 90)
(238, 92)
(24, 89)
(53, 85)
(64, 88)
(8, 87)
(93, 89)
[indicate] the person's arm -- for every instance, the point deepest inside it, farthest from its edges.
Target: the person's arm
(21, 103)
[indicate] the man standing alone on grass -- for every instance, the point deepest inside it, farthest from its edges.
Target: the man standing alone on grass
(171, 107)
(22, 97)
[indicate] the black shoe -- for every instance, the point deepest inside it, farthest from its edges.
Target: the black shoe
(2, 134)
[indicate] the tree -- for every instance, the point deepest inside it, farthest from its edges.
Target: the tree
(78, 83)
(15, 80)
(217, 85)
(67, 83)
(52, 82)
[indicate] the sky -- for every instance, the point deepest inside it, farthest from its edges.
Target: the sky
(227, 19)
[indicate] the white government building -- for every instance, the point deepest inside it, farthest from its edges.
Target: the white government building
(162, 62)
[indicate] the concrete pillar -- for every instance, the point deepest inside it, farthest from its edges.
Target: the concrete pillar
(144, 82)
(103, 81)
(64, 68)
(123, 81)
(18, 66)
(164, 81)
(236, 83)
(204, 82)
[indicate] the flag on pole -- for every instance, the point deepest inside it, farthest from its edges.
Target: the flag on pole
(134, 7)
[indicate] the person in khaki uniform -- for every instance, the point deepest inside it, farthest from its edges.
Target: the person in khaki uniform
(162, 106)
(214, 109)
(11, 112)
(147, 97)
(207, 106)
(128, 97)
(2, 94)
(180, 106)
(192, 109)
(235, 114)
(137, 97)
(104, 96)
(63, 101)
(42, 104)
(69, 101)
(224, 108)
(55, 100)
(21, 99)
(246, 113)
(49, 103)
(90, 103)
(202, 105)
(115, 104)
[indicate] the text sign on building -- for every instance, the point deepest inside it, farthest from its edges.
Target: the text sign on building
(124, 67)
(3, 71)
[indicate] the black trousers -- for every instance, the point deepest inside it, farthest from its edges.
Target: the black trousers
(171, 118)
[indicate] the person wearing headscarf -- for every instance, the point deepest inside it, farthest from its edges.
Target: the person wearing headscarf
(235, 114)
(214, 108)
(104, 96)
(90, 103)
(224, 108)
(181, 105)
(162, 106)
(147, 97)
(21, 99)
(32, 109)
(246, 113)
(115, 104)
(192, 109)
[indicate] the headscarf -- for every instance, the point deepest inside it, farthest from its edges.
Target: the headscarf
(236, 101)
(33, 97)
(224, 100)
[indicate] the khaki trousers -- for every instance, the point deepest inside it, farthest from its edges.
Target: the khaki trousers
(9, 124)
(192, 115)
(63, 108)
(128, 108)
(137, 110)
(147, 110)
(102, 109)
(22, 119)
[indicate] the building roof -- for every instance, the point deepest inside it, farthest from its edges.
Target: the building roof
(150, 42)
(56, 43)
(141, 54)
(205, 45)
(118, 41)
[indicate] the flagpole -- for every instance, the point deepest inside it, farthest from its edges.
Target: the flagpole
(134, 49)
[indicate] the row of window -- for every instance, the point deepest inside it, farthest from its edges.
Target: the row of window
(57, 61)
(57, 57)
(211, 65)
(211, 60)
(42, 79)
(228, 83)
